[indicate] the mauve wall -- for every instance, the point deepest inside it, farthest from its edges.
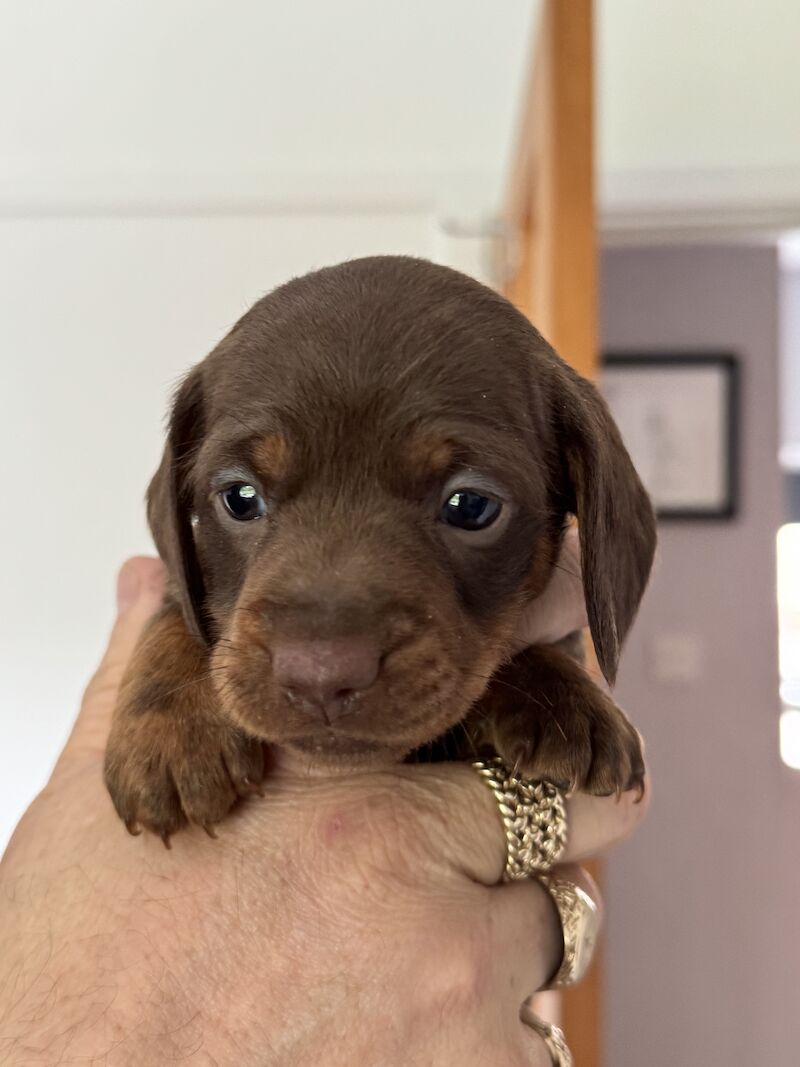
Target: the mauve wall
(703, 904)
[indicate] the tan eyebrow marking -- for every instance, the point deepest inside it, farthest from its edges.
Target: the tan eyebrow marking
(429, 454)
(272, 456)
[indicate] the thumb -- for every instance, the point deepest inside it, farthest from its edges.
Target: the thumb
(140, 591)
(560, 609)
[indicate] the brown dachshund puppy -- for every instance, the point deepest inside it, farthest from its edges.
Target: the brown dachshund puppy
(363, 486)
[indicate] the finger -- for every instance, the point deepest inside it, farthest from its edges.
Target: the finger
(543, 1051)
(140, 591)
(472, 832)
(596, 824)
(526, 936)
(527, 931)
(561, 609)
(533, 1052)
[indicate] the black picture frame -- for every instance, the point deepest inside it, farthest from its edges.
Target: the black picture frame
(689, 395)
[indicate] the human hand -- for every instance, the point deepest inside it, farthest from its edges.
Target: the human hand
(561, 608)
(342, 920)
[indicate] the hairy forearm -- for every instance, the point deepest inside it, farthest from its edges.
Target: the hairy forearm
(104, 988)
(332, 933)
(141, 967)
(84, 986)
(117, 1001)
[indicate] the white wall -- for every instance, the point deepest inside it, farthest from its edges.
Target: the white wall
(695, 86)
(275, 100)
(98, 317)
(221, 100)
(698, 117)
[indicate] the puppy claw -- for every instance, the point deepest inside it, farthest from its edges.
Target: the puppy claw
(211, 832)
(133, 827)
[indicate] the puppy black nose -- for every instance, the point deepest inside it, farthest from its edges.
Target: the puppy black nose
(326, 674)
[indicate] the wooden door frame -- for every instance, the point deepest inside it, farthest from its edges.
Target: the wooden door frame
(550, 214)
(550, 205)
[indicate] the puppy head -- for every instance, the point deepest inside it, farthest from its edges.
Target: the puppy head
(364, 484)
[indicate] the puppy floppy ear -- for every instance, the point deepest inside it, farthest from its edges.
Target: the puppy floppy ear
(170, 503)
(615, 517)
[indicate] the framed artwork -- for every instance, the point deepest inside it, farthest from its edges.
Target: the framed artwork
(678, 416)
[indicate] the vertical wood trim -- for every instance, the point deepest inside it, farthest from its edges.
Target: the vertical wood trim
(551, 199)
(582, 1007)
(550, 209)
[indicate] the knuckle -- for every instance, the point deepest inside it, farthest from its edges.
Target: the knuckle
(376, 827)
(457, 975)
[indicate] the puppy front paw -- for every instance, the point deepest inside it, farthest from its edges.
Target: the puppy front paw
(553, 722)
(164, 770)
(593, 749)
(171, 758)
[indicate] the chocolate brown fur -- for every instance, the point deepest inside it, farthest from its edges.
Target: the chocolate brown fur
(350, 397)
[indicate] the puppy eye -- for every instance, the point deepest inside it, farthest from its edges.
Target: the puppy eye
(243, 502)
(468, 510)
